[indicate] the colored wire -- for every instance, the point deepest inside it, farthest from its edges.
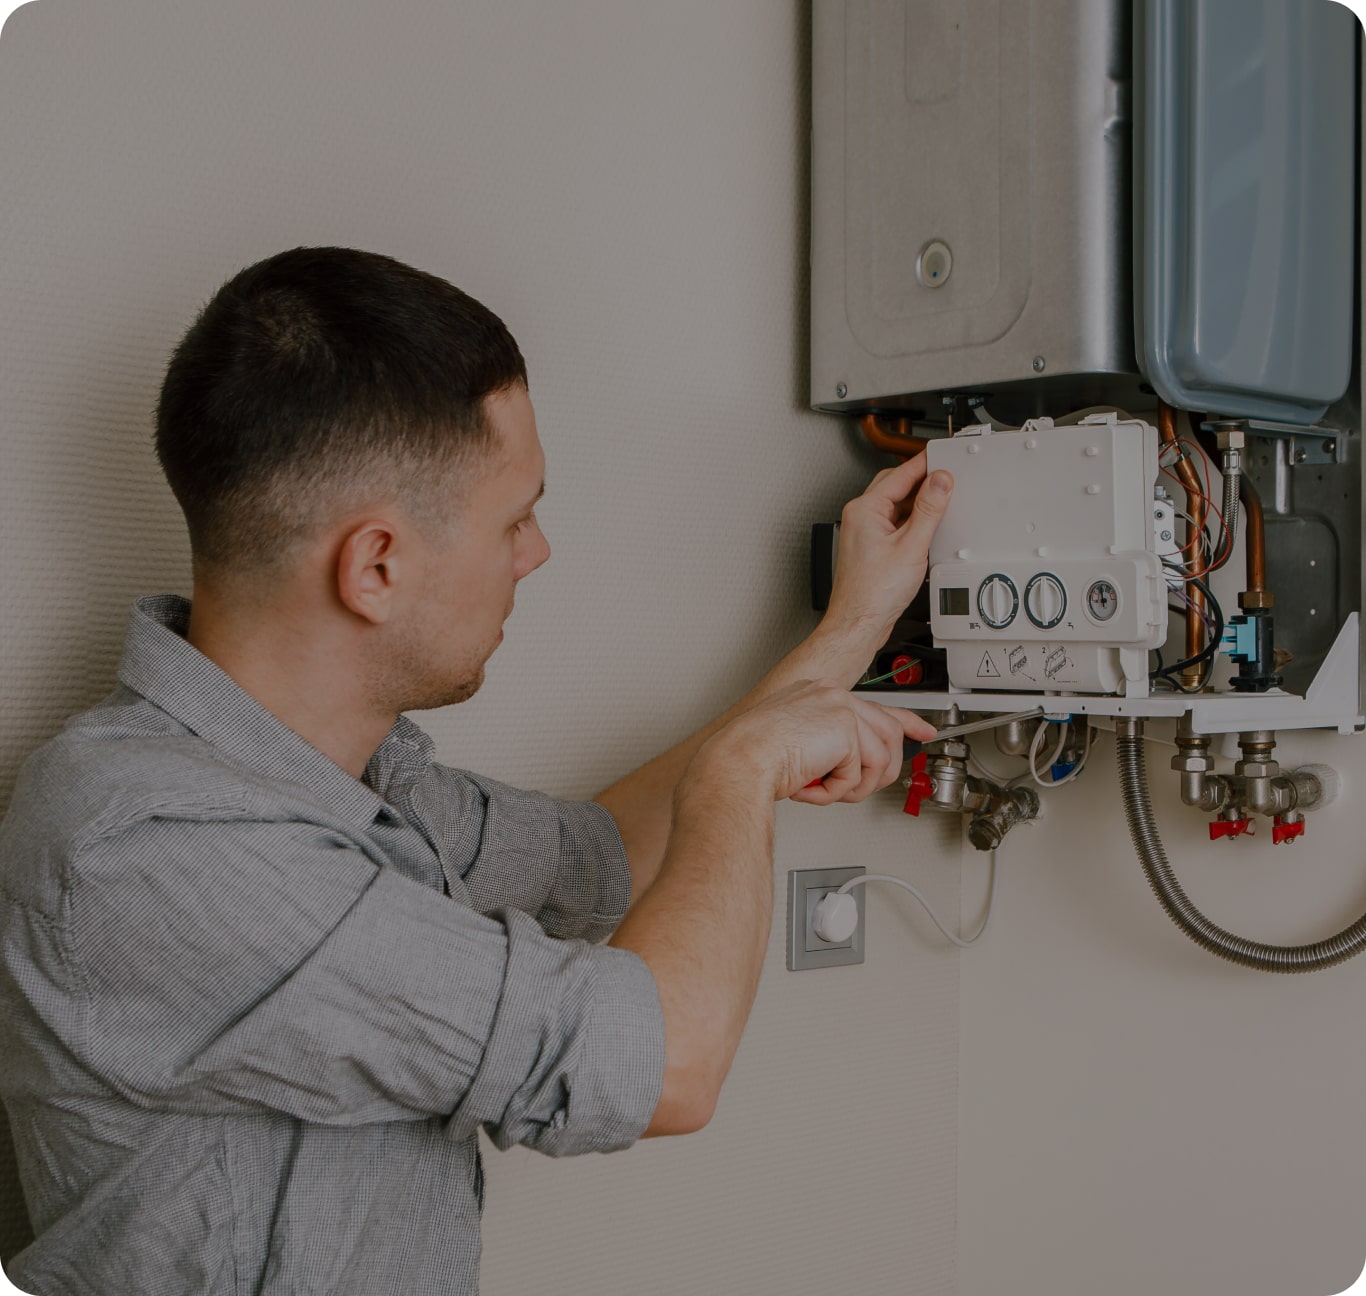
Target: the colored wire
(1169, 673)
(905, 666)
(1222, 550)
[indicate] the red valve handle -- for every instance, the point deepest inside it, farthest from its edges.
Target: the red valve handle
(919, 787)
(1284, 832)
(1229, 828)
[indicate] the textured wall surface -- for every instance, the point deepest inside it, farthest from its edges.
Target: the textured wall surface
(626, 185)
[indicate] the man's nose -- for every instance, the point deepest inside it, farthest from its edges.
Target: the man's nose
(537, 555)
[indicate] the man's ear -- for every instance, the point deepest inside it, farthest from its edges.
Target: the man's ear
(368, 568)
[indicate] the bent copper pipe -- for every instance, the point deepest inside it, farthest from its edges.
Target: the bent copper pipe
(901, 443)
(1195, 620)
(1254, 529)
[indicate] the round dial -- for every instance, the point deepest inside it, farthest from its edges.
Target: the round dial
(998, 601)
(1045, 600)
(1102, 600)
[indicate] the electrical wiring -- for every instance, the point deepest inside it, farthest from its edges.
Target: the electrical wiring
(1206, 544)
(905, 666)
(1168, 674)
(1222, 550)
(960, 941)
(1036, 745)
(1077, 768)
(1191, 607)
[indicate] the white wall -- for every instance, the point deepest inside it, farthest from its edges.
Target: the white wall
(626, 185)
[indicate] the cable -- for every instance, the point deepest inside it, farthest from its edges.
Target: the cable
(1223, 551)
(1081, 763)
(905, 666)
(906, 886)
(1036, 745)
(1190, 608)
(1216, 638)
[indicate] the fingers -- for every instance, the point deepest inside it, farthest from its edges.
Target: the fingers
(914, 726)
(875, 757)
(894, 484)
(931, 503)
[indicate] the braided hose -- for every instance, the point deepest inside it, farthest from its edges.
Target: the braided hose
(1138, 812)
(1231, 476)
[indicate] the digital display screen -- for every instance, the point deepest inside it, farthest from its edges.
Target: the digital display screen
(953, 602)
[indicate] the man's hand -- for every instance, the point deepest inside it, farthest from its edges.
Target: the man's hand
(703, 926)
(816, 742)
(884, 548)
(884, 551)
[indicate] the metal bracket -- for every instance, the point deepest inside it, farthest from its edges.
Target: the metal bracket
(1308, 445)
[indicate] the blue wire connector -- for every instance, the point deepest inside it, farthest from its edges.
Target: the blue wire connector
(1240, 639)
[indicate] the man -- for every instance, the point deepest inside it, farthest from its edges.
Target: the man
(267, 966)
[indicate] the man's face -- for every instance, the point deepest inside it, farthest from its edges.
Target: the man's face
(470, 574)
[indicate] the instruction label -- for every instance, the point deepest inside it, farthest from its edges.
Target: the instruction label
(987, 670)
(1058, 667)
(1017, 659)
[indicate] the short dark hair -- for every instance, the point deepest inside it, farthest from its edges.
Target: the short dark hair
(312, 375)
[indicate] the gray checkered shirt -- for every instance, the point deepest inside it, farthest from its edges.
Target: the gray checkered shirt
(253, 1012)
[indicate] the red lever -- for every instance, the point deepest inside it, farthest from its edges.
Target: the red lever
(1284, 832)
(920, 786)
(1229, 828)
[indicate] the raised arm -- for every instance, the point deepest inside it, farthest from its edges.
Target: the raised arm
(884, 547)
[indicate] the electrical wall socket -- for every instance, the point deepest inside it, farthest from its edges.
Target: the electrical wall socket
(806, 950)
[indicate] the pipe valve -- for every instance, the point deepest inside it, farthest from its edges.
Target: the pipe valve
(1287, 827)
(918, 786)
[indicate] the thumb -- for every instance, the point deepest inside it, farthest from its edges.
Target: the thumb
(931, 503)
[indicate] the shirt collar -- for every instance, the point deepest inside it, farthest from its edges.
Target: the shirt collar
(161, 665)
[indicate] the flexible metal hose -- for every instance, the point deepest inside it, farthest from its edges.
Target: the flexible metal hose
(1231, 486)
(1138, 811)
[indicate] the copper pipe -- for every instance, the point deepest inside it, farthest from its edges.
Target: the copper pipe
(1195, 619)
(901, 443)
(1254, 529)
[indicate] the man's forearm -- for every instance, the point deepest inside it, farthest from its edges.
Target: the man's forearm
(702, 930)
(641, 802)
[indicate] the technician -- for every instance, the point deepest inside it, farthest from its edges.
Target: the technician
(267, 966)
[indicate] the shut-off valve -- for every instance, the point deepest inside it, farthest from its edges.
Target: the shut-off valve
(1257, 786)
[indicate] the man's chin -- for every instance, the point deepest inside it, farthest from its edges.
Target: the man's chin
(450, 695)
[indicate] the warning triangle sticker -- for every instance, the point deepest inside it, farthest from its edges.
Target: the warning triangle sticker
(986, 670)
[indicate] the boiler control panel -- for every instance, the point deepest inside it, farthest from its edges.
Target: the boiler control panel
(1046, 575)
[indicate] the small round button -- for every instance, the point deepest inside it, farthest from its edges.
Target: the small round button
(934, 264)
(998, 600)
(1045, 600)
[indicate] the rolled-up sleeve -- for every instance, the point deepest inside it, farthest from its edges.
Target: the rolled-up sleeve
(226, 967)
(562, 862)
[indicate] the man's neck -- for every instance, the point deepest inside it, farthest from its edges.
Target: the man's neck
(296, 667)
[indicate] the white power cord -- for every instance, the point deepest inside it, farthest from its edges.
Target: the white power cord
(1036, 745)
(835, 917)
